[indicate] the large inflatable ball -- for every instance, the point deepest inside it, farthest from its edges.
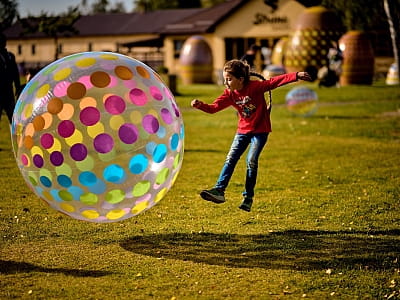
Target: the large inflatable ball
(302, 101)
(98, 136)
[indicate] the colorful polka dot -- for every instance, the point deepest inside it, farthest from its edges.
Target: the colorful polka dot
(89, 116)
(78, 152)
(76, 90)
(150, 124)
(100, 79)
(138, 97)
(166, 116)
(123, 72)
(128, 133)
(103, 143)
(66, 128)
(54, 106)
(138, 164)
(115, 105)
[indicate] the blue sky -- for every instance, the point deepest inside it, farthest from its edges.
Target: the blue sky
(35, 7)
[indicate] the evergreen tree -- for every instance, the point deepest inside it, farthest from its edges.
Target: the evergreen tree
(52, 25)
(8, 13)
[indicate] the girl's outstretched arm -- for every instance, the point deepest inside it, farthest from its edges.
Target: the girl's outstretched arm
(220, 103)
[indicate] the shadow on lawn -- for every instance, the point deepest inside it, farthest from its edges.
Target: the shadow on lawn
(297, 250)
(12, 267)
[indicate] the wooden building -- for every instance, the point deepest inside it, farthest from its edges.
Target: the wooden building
(156, 38)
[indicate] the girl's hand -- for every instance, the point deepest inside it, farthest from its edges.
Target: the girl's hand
(195, 103)
(304, 76)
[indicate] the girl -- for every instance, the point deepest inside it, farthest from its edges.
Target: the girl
(254, 125)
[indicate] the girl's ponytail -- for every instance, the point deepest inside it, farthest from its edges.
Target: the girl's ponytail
(269, 100)
(258, 75)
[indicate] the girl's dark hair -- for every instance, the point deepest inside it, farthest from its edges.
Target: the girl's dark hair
(258, 75)
(239, 68)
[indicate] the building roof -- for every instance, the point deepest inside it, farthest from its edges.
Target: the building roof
(205, 20)
(170, 21)
(132, 23)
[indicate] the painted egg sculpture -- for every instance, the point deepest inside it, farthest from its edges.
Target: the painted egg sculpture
(358, 58)
(278, 52)
(98, 136)
(196, 61)
(308, 46)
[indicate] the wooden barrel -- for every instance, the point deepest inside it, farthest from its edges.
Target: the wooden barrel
(358, 58)
(196, 63)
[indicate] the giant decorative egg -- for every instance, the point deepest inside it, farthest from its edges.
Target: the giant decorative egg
(278, 52)
(309, 43)
(196, 61)
(98, 136)
(358, 58)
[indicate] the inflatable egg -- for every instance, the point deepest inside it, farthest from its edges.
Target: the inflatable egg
(98, 136)
(196, 62)
(358, 58)
(309, 44)
(278, 52)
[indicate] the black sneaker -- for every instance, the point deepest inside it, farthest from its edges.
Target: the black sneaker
(246, 204)
(213, 195)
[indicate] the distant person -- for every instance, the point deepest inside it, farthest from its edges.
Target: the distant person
(266, 54)
(250, 55)
(329, 75)
(335, 58)
(29, 74)
(23, 72)
(9, 79)
(254, 125)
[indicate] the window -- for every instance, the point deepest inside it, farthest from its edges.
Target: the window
(33, 49)
(178, 44)
(19, 51)
(236, 47)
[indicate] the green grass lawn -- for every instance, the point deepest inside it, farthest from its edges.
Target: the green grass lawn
(325, 222)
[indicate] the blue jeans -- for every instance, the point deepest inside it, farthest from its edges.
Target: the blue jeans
(239, 145)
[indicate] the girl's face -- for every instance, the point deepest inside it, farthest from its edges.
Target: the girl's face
(232, 82)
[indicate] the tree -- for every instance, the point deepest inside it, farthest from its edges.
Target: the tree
(8, 13)
(118, 7)
(392, 13)
(357, 15)
(151, 5)
(52, 26)
(100, 6)
(103, 6)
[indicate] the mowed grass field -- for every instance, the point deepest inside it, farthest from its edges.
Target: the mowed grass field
(325, 223)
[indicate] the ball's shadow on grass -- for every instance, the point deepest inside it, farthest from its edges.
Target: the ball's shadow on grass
(13, 267)
(297, 250)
